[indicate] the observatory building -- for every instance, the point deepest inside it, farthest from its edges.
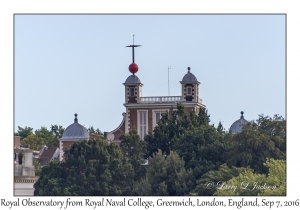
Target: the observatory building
(143, 113)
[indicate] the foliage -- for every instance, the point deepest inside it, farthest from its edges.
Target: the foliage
(248, 183)
(57, 131)
(276, 177)
(201, 148)
(166, 175)
(92, 167)
(275, 128)
(41, 136)
(134, 149)
(91, 130)
(49, 139)
(169, 128)
(34, 142)
(24, 132)
(182, 148)
(199, 144)
(52, 181)
(210, 181)
(257, 142)
(37, 167)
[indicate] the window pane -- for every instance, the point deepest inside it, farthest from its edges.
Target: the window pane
(141, 115)
(131, 91)
(141, 132)
(144, 131)
(144, 114)
(157, 117)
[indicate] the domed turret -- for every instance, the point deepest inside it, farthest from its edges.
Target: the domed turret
(189, 78)
(75, 131)
(237, 126)
(132, 79)
(190, 87)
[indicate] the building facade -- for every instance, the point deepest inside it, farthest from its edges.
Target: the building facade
(143, 113)
(72, 133)
(24, 172)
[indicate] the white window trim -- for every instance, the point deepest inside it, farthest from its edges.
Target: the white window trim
(138, 120)
(154, 116)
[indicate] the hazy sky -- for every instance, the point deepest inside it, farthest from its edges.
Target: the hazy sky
(66, 64)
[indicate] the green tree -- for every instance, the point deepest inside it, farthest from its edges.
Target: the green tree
(57, 130)
(91, 130)
(199, 144)
(49, 138)
(275, 128)
(167, 175)
(134, 149)
(257, 142)
(37, 167)
(101, 168)
(91, 167)
(34, 142)
(276, 177)
(52, 181)
(249, 183)
(24, 132)
(142, 188)
(208, 184)
(201, 148)
(169, 128)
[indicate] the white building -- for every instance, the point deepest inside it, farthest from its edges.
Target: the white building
(24, 175)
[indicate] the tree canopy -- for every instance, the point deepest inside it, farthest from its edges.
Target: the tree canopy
(249, 183)
(92, 167)
(166, 175)
(186, 156)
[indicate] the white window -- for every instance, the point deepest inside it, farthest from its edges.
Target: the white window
(131, 92)
(142, 123)
(156, 116)
(189, 91)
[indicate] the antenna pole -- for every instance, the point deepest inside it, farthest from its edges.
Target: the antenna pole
(132, 48)
(169, 67)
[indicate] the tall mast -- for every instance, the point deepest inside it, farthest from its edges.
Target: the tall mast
(169, 67)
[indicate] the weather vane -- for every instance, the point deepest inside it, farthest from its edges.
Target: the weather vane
(133, 46)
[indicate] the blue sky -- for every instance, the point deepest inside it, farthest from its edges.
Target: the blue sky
(66, 64)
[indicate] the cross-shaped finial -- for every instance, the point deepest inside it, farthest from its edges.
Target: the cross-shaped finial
(133, 46)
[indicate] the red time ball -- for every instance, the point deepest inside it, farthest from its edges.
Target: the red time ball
(133, 68)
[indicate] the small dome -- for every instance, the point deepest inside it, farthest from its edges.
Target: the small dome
(237, 126)
(132, 79)
(75, 131)
(189, 77)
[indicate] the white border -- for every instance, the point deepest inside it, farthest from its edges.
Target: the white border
(8, 8)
